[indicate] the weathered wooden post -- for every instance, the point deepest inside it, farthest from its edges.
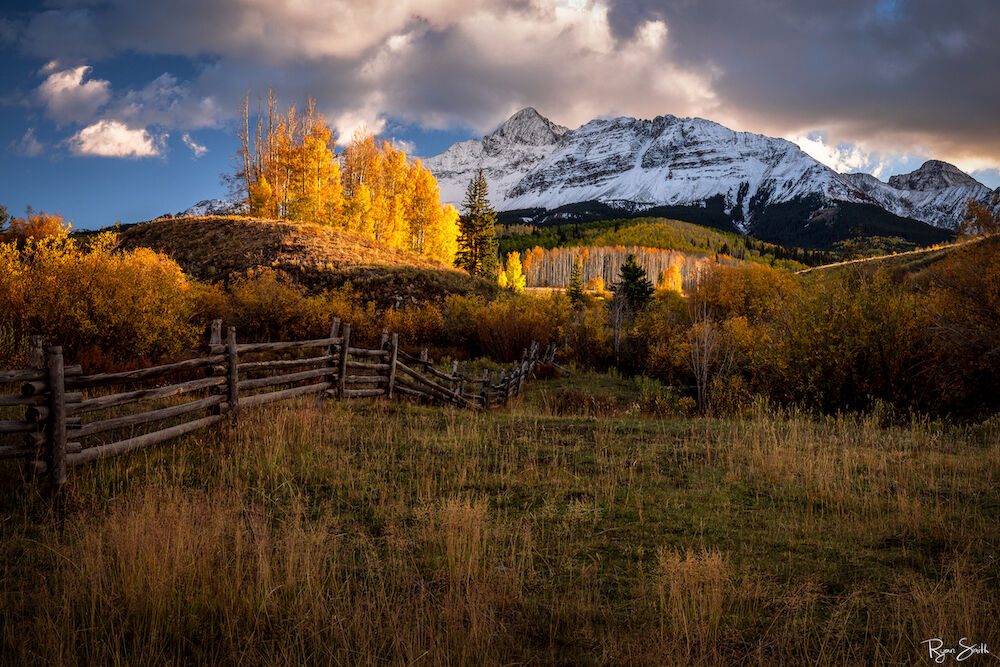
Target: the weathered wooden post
(461, 379)
(233, 376)
(502, 384)
(214, 340)
(423, 361)
(215, 333)
(330, 362)
(37, 352)
(385, 338)
(57, 416)
(485, 393)
(345, 345)
(36, 440)
(453, 382)
(393, 354)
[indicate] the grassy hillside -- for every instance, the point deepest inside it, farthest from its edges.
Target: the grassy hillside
(571, 528)
(651, 232)
(318, 257)
(910, 263)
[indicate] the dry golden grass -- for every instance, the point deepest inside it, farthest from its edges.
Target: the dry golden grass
(372, 533)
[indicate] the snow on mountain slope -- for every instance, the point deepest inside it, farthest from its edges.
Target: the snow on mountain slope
(523, 141)
(215, 207)
(934, 193)
(530, 162)
(673, 161)
(664, 161)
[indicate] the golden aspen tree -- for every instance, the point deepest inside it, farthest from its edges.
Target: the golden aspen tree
(512, 271)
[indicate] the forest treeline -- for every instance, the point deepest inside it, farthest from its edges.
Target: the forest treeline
(856, 338)
(288, 168)
(661, 233)
(600, 265)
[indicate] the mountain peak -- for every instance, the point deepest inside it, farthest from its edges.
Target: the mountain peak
(527, 126)
(932, 175)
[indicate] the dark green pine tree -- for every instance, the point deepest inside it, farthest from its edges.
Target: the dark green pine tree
(633, 283)
(477, 240)
(575, 289)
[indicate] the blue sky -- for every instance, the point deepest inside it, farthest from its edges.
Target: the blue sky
(114, 110)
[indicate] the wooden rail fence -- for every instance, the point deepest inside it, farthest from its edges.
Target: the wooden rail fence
(70, 418)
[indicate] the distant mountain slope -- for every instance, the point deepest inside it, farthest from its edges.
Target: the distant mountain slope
(692, 168)
(318, 257)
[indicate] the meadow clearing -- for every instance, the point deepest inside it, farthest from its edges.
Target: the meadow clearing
(576, 526)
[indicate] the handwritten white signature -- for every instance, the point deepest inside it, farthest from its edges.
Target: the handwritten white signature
(938, 652)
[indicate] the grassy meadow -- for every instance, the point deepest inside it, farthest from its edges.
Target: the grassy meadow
(573, 527)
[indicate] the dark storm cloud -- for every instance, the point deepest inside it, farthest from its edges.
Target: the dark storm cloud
(907, 71)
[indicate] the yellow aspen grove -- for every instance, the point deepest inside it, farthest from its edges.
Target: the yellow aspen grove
(289, 169)
(502, 279)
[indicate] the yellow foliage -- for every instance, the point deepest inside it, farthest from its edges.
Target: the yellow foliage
(123, 305)
(512, 276)
(36, 226)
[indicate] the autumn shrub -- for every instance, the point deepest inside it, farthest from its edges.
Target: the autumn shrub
(963, 329)
(266, 305)
(661, 330)
(507, 326)
(858, 336)
(588, 337)
(421, 324)
(119, 306)
(35, 226)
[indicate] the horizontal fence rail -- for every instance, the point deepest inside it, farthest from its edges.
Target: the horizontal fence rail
(66, 418)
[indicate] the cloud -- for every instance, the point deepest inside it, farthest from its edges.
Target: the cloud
(844, 157)
(195, 147)
(896, 77)
(28, 145)
(168, 102)
(404, 145)
(68, 98)
(112, 138)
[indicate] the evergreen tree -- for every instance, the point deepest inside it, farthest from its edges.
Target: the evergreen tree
(477, 241)
(633, 284)
(575, 289)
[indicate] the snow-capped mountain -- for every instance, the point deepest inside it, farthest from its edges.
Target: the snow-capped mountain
(505, 156)
(934, 193)
(749, 181)
(215, 207)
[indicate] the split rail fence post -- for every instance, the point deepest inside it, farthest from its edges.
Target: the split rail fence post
(393, 354)
(36, 440)
(233, 376)
(485, 393)
(461, 379)
(57, 415)
(214, 338)
(331, 362)
(345, 345)
(453, 382)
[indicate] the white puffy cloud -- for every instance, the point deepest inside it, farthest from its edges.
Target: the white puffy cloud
(112, 138)
(196, 148)
(68, 98)
(843, 157)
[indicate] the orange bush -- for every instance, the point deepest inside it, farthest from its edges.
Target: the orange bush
(129, 305)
